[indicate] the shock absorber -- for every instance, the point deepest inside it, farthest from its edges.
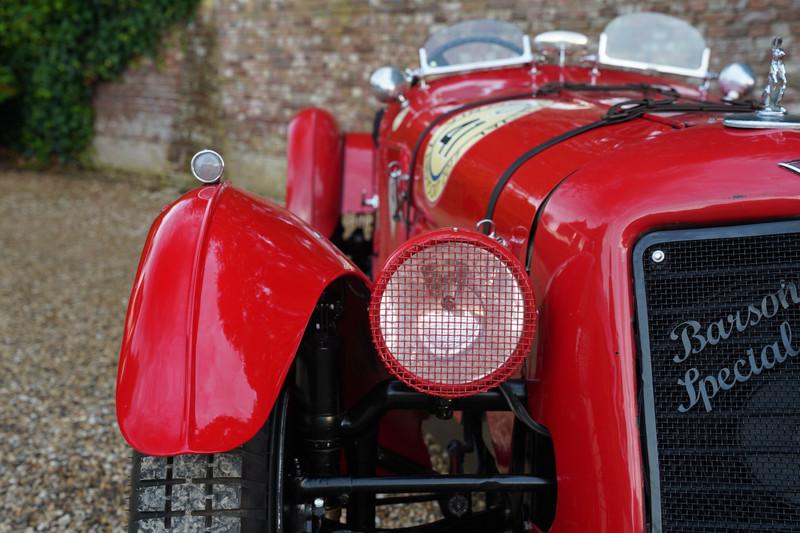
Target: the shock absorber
(319, 391)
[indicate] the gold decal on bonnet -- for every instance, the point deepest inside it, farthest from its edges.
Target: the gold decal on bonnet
(399, 118)
(454, 137)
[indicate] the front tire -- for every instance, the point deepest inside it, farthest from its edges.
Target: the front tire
(240, 491)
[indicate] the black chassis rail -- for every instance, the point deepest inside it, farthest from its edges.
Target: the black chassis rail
(393, 394)
(444, 484)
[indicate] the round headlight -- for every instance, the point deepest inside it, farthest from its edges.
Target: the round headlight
(207, 166)
(452, 313)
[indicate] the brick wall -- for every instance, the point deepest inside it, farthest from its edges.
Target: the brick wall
(234, 77)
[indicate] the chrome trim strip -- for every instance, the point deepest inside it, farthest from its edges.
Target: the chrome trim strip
(763, 121)
(794, 166)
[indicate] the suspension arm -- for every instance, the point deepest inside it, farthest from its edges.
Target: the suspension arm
(393, 394)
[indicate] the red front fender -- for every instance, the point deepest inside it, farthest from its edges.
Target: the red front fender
(225, 287)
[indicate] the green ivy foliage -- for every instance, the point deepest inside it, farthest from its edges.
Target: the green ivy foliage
(52, 52)
(8, 83)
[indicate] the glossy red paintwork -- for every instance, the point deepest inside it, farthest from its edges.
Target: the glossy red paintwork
(624, 180)
(314, 169)
(359, 177)
(225, 288)
(584, 385)
(464, 200)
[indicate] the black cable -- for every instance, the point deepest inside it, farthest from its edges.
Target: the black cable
(376, 125)
(555, 88)
(521, 412)
(549, 88)
(525, 157)
(620, 112)
(435, 122)
(616, 114)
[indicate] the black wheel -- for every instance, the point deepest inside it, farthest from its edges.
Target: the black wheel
(237, 491)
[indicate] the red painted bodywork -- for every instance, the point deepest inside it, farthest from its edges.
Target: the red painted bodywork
(225, 287)
(314, 169)
(238, 332)
(584, 386)
(359, 178)
(464, 200)
(624, 181)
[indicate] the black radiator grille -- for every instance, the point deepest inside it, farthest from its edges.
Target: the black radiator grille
(729, 461)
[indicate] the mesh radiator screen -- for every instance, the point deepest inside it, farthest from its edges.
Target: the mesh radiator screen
(719, 326)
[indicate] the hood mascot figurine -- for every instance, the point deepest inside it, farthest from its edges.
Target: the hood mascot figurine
(772, 114)
(776, 83)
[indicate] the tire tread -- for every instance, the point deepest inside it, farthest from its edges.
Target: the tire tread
(213, 493)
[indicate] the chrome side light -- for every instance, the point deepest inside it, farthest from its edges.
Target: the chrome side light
(207, 166)
(388, 84)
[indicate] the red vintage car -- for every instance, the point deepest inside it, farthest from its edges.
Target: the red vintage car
(589, 262)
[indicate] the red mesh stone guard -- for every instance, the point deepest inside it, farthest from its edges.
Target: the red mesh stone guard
(452, 314)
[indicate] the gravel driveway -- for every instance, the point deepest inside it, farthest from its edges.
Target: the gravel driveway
(69, 246)
(68, 252)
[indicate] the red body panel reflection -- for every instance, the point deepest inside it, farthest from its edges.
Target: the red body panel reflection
(212, 329)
